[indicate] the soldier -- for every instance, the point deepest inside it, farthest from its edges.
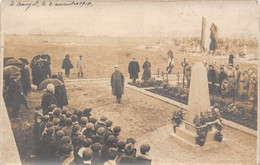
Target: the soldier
(188, 72)
(67, 65)
(222, 75)
(48, 98)
(133, 70)
(144, 159)
(147, 70)
(242, 84)
(81, 65)
(252, 87)
(212, 79)
(15, 96)
(117, 83)
(232, 79)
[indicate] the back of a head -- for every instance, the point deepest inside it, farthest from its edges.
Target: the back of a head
(129, 149)
(145, 148)
(121, 144)
(87, 154)
(87, 142)
(96, 147)
(68, 122)
(112, 152)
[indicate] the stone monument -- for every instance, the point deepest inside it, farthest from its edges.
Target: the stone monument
(199, 102)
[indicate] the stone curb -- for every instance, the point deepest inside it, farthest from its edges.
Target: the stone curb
(180, 105)
(167, 100)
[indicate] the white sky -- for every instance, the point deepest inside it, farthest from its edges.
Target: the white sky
(234, 19)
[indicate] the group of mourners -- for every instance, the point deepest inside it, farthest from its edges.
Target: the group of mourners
(242, 82)
(66, 136)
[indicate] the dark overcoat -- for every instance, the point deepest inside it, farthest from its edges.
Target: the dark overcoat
(15, 95)
(61, 96)
(117, 83)
(25, 79)
(147, 70)
(47, 99)
(133, 69)
(212, 76)
(66, 64)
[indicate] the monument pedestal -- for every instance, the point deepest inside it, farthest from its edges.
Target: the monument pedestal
(189, 136)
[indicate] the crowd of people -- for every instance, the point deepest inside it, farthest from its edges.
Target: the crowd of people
(65, 136)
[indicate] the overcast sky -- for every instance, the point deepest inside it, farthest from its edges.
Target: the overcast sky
(234, 19)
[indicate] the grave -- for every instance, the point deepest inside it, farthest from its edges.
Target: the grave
(199, 102)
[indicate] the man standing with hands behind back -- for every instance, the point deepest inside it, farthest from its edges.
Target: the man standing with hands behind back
(117, 83)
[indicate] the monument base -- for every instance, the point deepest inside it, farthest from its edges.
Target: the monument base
(189, 137)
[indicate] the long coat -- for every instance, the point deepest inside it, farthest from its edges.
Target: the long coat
(66, 64)
(147, 70)
(81, 65)
(61, 96)
(242, 84)
(15, 95)
(47, 99)
(212, 76)
(117, 83)
(25, 79)
(133, 69)
(40, 70)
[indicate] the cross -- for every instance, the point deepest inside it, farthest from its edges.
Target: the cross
(163, 75)
(178, 75)
(184, 64)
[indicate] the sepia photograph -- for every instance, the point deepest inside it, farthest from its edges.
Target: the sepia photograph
(129, 82)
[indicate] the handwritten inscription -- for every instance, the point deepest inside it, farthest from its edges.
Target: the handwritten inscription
(28, 5)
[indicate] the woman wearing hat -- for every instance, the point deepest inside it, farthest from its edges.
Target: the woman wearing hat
(15, 96)
(117, 83)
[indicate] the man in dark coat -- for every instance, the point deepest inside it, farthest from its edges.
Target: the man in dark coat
(15, 96)
(67, 65)
(117, 83)
(212, 78)
(147, 70)
(133, 69)
(231, 59)
(48, 98)
(25, 79)
(61, 96)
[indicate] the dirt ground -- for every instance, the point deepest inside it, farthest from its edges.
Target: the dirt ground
(141, 117)
(102, 53)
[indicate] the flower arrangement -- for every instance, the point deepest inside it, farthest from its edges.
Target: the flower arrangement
(204, 124)
(177, 118)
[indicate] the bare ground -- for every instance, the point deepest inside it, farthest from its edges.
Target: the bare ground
(141, 117)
